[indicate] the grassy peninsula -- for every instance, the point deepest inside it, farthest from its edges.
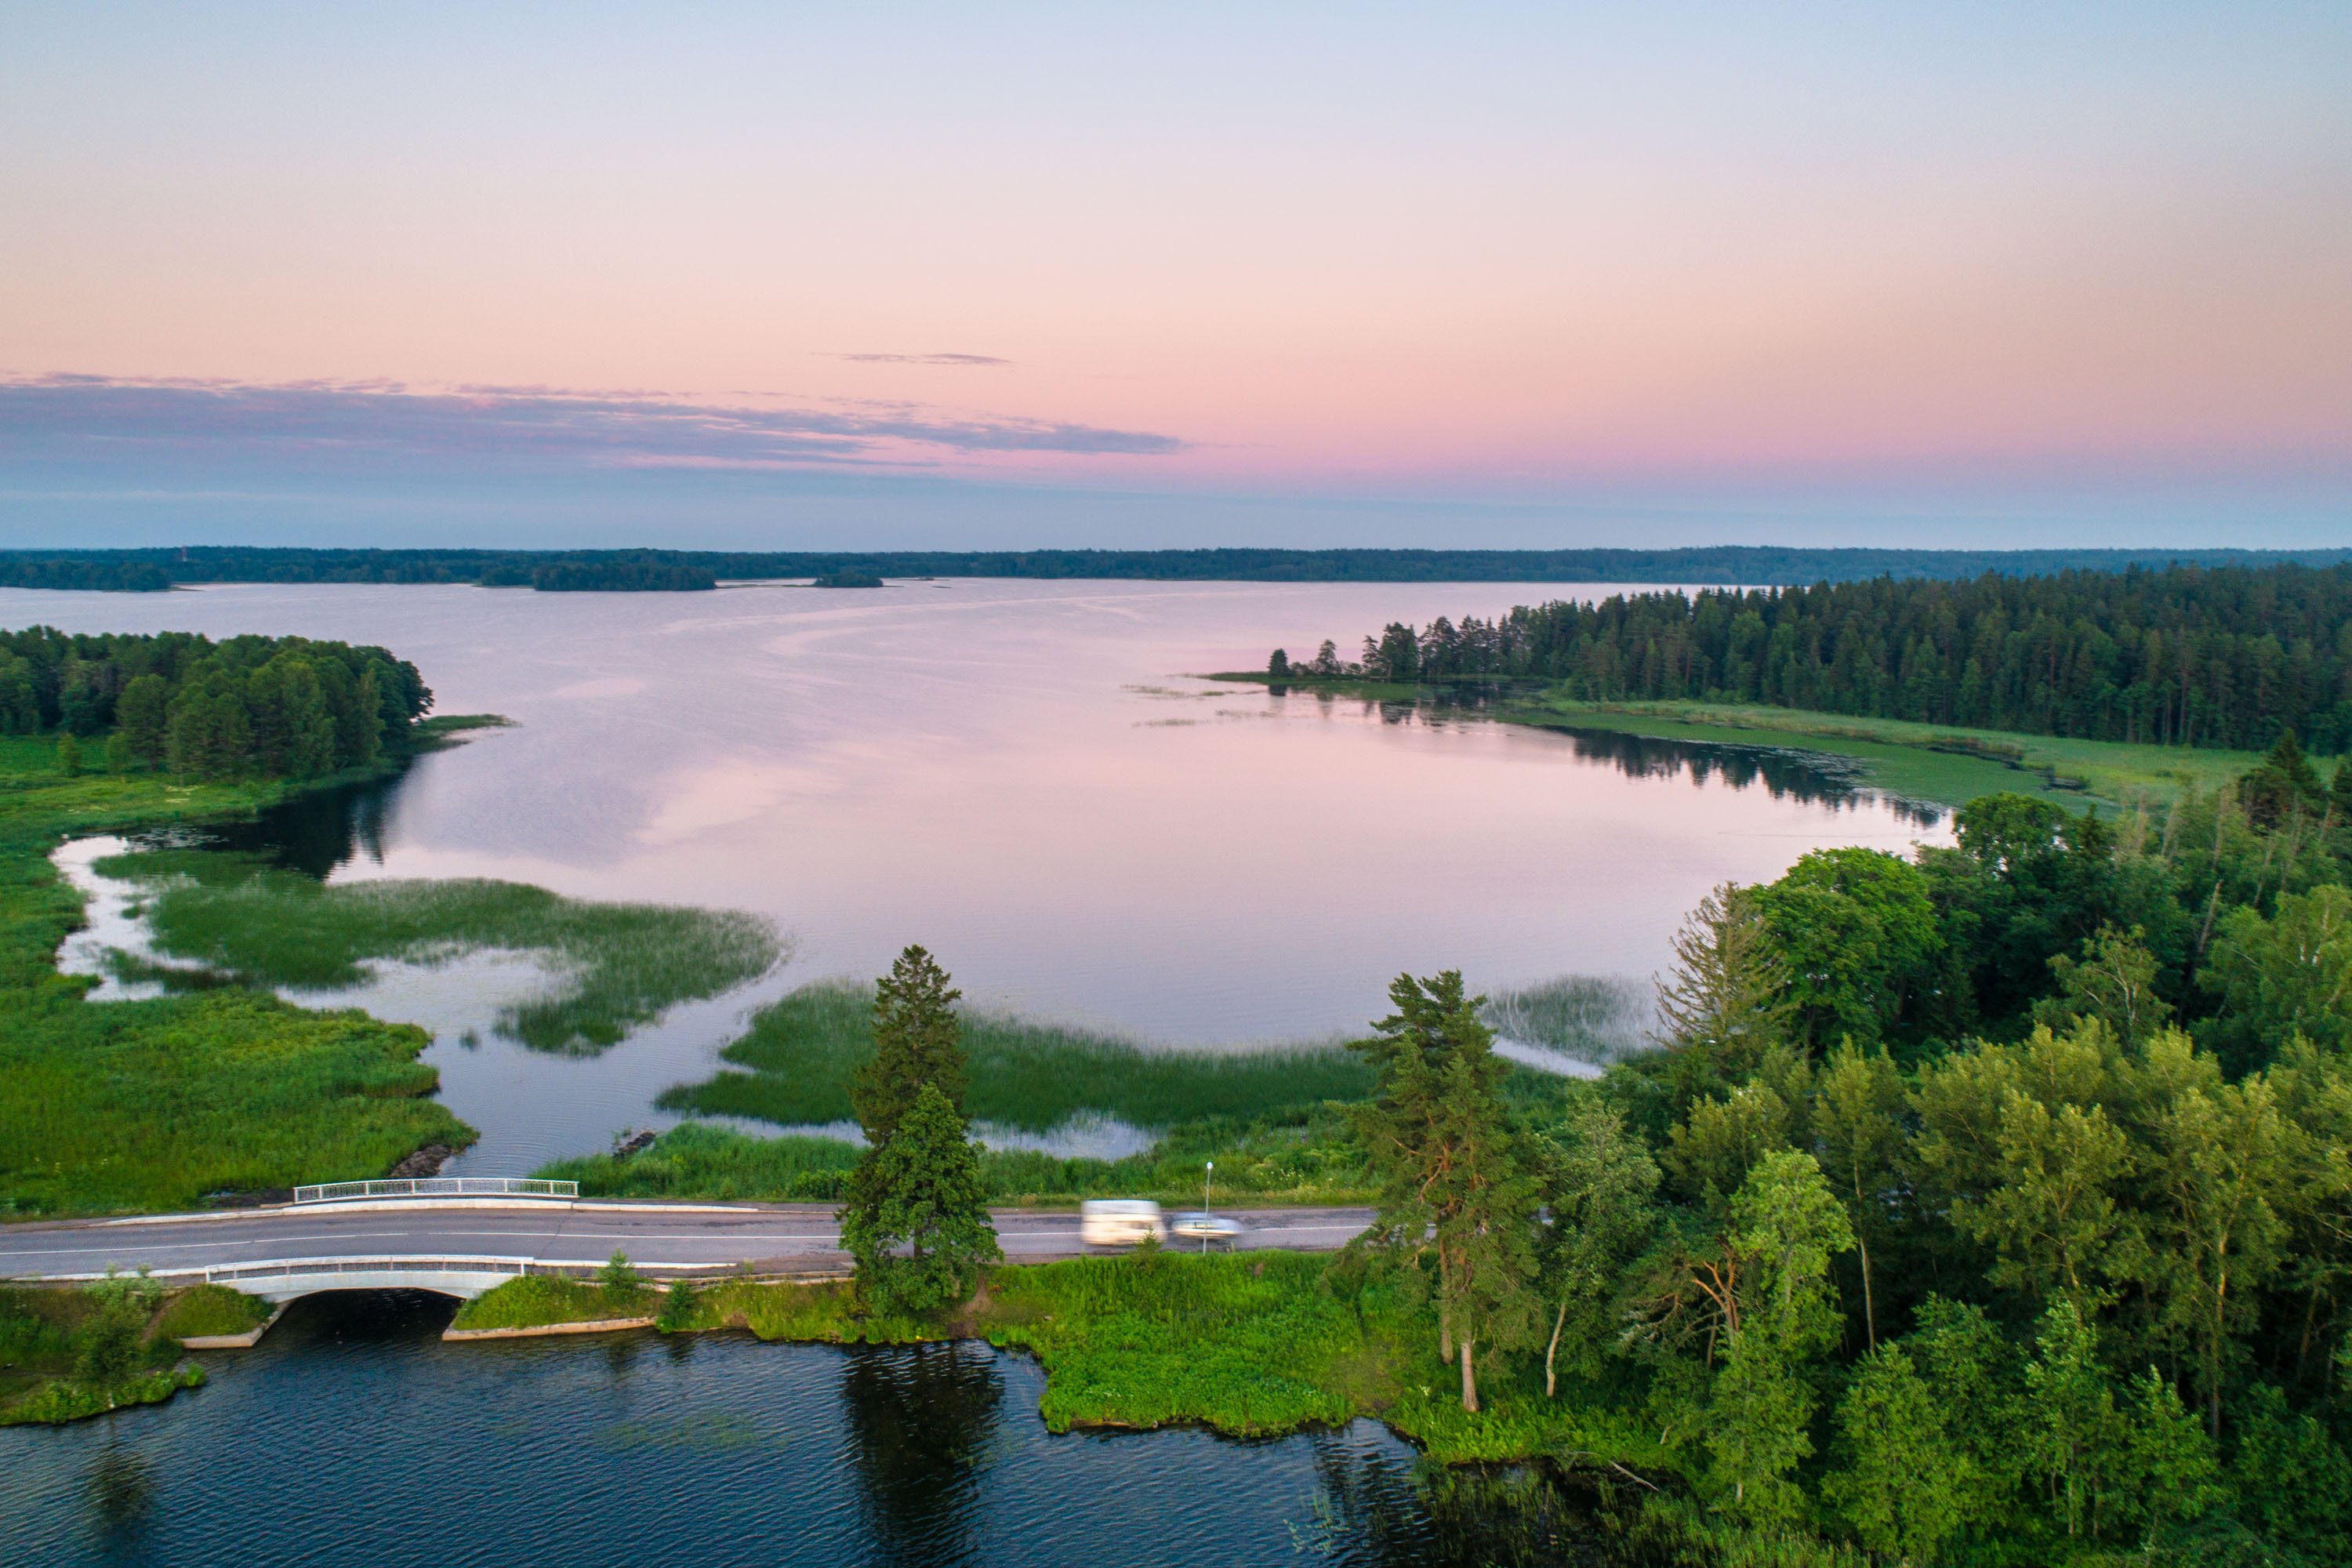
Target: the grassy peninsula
(68, 1354)
(616, 966)
(1928, 765)
(802, 1050)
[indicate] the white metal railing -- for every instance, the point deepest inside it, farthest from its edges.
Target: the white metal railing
(377, 1263)
(437, 1187)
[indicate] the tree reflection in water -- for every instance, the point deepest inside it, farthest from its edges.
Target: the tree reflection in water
(920, 1420)
(1809, 778)
(120, 1498)
(1369, 1510)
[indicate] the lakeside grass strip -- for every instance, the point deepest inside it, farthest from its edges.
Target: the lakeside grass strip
(151, 1105)
(802, 1050)
(621, 965)
(1249, 1344)
(1937, 764)
(1314, 1159)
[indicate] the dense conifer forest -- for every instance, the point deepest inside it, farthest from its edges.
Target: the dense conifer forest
(253, 707)
(2183, 656)
(145, 569)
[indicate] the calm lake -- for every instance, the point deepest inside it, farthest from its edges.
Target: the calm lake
(353, 1435)
(1024, 777)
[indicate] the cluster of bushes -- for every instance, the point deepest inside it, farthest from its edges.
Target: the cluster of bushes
(251, 705)
(68, 1354)
(2182, 655)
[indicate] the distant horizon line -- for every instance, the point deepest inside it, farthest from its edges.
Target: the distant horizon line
(153, 567)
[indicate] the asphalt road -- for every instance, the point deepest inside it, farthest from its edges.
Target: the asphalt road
(780, 1239)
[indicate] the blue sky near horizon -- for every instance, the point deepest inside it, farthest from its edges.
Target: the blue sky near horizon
(2000, 275)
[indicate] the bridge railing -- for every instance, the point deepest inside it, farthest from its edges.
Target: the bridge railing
(437, 1187)
(404, 1263)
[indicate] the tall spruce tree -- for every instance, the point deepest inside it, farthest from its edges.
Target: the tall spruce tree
(917, 1041)
(1452, 1184)
(921, 1191)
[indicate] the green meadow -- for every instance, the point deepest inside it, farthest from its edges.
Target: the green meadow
(155, 1104)
(802, 1050)
(616, 965)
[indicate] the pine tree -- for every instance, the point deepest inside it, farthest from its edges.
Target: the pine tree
(922, 1190)
(917, 1041)
(1451, 1180)
(1725, 1002)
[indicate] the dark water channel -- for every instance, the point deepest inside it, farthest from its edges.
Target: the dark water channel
(353, 1435)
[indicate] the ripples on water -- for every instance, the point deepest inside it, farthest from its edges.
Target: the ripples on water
(353, 1435)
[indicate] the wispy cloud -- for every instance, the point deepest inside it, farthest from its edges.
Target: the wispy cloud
(965, 360)
(90, 416)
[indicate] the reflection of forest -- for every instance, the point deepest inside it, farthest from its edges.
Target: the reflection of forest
(920, 1419)
(316, 832)
(1368, 1510)
(1811, 777)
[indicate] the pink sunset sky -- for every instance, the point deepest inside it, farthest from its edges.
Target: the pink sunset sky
(1032, 274)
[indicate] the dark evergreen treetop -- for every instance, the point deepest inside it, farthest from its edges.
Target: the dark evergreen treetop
(917, 1041)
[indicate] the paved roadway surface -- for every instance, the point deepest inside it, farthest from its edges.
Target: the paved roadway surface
(780, 1239)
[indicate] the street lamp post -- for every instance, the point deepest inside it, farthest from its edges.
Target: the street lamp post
(1205, 1171)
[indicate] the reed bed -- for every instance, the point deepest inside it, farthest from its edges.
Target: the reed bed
(802, 1051)
(617, 965)
(1596, 1018)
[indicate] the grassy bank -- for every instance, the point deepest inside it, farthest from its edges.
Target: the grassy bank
(1936, 764)
(153, 1105)
(618, 965)
(1312, 1159)
(537, 1302)
(802, 1049)
(1250, 1344)
(67, 1354)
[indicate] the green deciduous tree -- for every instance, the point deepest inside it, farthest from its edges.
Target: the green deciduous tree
(2286, 975)
(2114, 981)
(1858, 933)
(1786, 1226)
(1598, 1182)
(1858, 1110)
(1900, 1485)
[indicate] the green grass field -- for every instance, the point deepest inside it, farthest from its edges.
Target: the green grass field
(619, 965)
(153, 1105)
(802, 1049)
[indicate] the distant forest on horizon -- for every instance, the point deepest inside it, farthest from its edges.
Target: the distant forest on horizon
(159, 568)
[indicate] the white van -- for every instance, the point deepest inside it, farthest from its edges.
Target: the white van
(1120, 1222)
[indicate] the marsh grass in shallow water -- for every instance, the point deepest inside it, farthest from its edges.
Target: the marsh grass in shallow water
(619, 965)
(1596, 1018)
(1034, 1077)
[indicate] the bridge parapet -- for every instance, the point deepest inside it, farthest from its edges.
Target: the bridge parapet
(438, 1187)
